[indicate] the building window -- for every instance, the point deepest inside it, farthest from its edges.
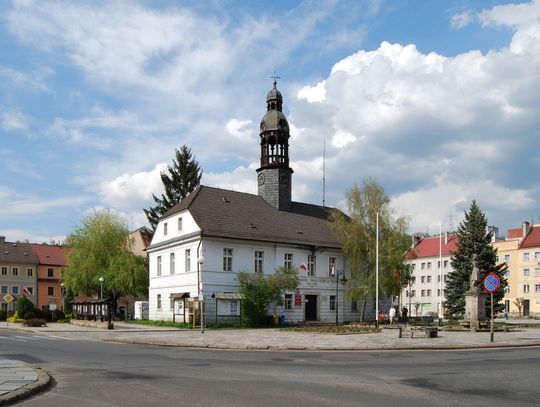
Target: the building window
(29, 290)
(438, 292)
(171, 303)
(332, 303)
(438, 278)
(259, 257)
(227, 259)
(311, 262)
(445, 264)
(423, 279)
(288, 261)
(413, 293)
(525, 256)
(4, 271)
(413, 266)
(429, 293)
(414, 280)
(288, 301)
(507, 274)
(423, 266)
(507, 258)
(29, 272)
(525, 288)
(172, 265)
(165, 229)
(5, 289)
(15, 271)
(537, 256)
(179, 224)
(158, 265)
(445, 278)
(354, 305)
(15, 290)
(438, 264)
(525, 272)
(537, 272)
(429, 279)
(423, 293)
(159, 301)
(496, 258)
(331, 266)
(188, 260)
(537, 288)
(50, 291)
(50, 272)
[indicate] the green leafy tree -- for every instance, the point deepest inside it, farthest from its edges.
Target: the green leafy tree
(357, 234)
(179, 181)
(259, 291)
(25, 307)
(473, 238)
(101, 248)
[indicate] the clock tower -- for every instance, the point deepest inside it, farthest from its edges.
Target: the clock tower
(274, 175)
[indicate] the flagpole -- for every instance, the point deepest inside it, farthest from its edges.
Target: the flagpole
(440, 274)
(377, 272)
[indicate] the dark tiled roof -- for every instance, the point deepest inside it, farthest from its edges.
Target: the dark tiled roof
(429, 247)
(49, 255)
(17, 253)
(532, 239)
(230, 214)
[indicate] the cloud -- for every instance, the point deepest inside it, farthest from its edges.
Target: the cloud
(12, 119)
(239, 129)
(461, 20)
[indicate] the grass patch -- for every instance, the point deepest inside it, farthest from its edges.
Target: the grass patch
(167, 324)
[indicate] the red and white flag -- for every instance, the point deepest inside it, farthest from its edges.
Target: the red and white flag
(26, 291)
(332, 271)
(303, 267)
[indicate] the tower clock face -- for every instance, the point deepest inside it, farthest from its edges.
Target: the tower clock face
(284, 178)
(261, 178)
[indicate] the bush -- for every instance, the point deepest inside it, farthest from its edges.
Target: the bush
(15, 318)
(35, 322)
(24, 306)
(3, 315)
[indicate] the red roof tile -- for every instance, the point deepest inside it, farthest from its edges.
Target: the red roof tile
(532, 239)
(515, 233)
(49, 255)
(429, 247)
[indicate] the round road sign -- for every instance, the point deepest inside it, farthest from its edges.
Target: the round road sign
(492, 282)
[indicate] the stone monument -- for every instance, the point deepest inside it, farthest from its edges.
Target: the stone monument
(475, 300)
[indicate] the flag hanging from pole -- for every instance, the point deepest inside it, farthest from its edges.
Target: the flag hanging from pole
(303, 266)
(26, 291)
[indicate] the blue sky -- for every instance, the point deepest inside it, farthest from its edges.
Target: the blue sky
(438, 100)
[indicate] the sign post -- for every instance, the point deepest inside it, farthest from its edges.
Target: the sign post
(9, 299)
(492, 283)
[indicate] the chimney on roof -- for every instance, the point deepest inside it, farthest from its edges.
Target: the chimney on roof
(526, 228)
(416, 238)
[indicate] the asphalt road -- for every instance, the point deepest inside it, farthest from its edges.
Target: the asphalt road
(90, 373)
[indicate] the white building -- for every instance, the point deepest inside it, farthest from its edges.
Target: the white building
(235, 232)
(429, 258)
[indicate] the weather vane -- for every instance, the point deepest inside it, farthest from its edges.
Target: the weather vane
(274, 77)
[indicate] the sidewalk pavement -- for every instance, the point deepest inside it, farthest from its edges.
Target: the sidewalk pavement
(19, 380)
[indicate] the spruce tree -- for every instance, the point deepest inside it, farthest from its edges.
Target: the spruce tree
(473, 238)
(180, 179)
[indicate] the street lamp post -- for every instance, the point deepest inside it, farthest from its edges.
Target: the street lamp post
(343, 282)
(101, 298)
(63, 292)
(200, 260)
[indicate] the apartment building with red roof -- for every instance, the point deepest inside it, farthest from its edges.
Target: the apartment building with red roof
(51, 264)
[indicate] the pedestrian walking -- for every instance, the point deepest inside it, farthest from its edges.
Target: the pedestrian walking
(404, 313)
(392, 315)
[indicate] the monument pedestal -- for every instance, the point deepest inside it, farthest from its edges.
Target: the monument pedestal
(475, 308)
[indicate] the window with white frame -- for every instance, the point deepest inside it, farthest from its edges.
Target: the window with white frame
(438, 292)
(445, 264)
(179, 224)
(537, 288)
(525, 288)
(259, 261)
(439, 264)
(496, 258)
(311, 263)
(423, 279)
(50, 291)
(29, 272)
(158, 300)
(30, 290)
(50, 272)
(413, 266)
(506, 258)
(429, 265)
(429, 279)
(15, 271)
(15, 290)
(507, 274)
(423, 266)
(537, 272)
(525, 272)
(525, 256)
(413, 293)
(172, 264)
(439, 278)
(288, 261)
(354, 305)
(331, 266)
(165, 229)
(423, 293)
(429, 293)
(158, 265)
(187, 257)
(5, 289)
(227, 259)
(4, 271)
(537, 256)
(288, 301)
(332, 303)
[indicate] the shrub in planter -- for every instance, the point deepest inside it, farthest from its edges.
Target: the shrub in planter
(35, 323)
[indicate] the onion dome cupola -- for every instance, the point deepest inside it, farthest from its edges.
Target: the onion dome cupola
(274, 174)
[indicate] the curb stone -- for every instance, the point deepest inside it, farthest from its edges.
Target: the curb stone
(43, 382)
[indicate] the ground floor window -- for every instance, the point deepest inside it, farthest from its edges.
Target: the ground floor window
(288, 301)
(332, 303)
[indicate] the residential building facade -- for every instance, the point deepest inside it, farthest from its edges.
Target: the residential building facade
(51, 264)
(18, 273)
